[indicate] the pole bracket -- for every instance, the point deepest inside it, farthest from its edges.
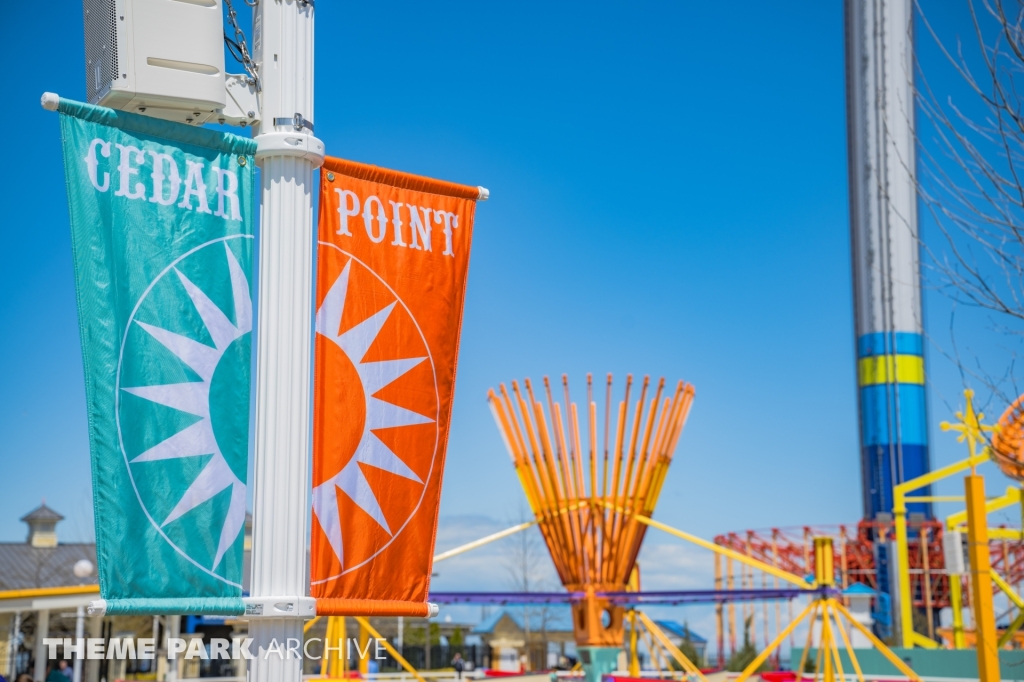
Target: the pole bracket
(296, 121)
(279, 607)
(299, 145)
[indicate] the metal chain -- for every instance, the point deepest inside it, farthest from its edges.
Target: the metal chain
(237, 46)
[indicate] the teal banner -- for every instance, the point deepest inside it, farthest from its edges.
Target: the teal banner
(162, 231)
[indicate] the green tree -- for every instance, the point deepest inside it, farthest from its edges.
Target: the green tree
(414, 636)
(688, 649)
(747, 653)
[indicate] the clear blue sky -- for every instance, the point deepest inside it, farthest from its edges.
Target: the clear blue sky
(669, 197)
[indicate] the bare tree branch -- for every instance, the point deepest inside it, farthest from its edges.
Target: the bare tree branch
(971, 180)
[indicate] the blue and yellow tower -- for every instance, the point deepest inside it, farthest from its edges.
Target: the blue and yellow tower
(885, 249)
(894, 433)
(886, 260)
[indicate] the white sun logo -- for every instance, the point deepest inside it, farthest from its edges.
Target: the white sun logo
(379, 414)
(193, 398)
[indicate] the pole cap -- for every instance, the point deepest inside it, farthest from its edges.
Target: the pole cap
(97, 607)
(50, 101)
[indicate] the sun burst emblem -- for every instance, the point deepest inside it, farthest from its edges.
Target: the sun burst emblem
(376, 413)
(183, 403)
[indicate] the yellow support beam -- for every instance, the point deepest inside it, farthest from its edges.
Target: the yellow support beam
(484, 541)
(835, 652)
(687, 665)
(326, 662)
(956, 603)
(342, 628)
(725, 551)
(1016, 625)
(657, 655)
(944, 472)
(364, 646)
(1007, 590)
(634, 659)
(846, 643)
(825, 645)
(1017, 601)
(920, 640)
(1005, 534)
(364, 624)
(957, 522)
(779, 639)
(810, 638)
(996, 533)
(899, 512)
(981, 580)
(885, 651)
(310, 624)
(1010, 498)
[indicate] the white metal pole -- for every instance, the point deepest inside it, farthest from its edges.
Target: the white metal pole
(173, 630)
(287, 153)
(12, 646)
(76, 666)
(42, 632)
(156, 641)
(94, 628)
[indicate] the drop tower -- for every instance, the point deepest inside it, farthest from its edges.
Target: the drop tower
(885, 248)
(886, 267)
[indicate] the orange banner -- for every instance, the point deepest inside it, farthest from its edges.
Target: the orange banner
(393, 258)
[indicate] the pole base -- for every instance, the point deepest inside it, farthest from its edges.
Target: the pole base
(598, 661)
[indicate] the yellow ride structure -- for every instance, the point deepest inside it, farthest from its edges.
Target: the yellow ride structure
(589, 494)
(1004, 444)
(832, 632)
(593, 486)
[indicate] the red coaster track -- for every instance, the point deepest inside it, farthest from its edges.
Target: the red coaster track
(792, 549)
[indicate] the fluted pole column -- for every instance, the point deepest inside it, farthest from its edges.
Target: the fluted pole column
(287, 153)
